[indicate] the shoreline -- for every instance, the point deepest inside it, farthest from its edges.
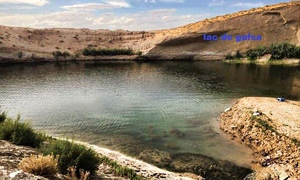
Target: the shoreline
(273, 134)
(142, 59)
(290, 62)
(142, 168)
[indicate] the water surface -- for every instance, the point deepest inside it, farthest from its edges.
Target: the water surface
(130, 106)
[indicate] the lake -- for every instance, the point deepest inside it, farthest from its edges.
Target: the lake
(131, 106)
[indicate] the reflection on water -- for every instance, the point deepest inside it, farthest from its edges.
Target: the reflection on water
(171, 106)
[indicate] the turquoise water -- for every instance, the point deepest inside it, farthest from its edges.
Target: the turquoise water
(130, 106)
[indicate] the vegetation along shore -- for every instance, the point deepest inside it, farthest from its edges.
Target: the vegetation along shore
(38, 156)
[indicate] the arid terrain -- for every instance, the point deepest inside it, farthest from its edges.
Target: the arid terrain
(11, 155)
(276, 23)
(273, 133)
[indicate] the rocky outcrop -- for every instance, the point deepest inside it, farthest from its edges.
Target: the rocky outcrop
(277, 23)
(273, 133)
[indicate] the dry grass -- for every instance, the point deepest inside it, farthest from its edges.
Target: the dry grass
(39, 165)
(72, 174)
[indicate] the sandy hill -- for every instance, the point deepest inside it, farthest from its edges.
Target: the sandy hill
(276, 23)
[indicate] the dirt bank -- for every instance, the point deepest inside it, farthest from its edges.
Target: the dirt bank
(273, 135)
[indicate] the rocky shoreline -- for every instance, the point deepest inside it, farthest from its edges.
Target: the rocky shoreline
(140, 167)
(11, 155)
(273, 133)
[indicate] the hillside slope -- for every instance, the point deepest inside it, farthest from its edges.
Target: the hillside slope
(277, 23)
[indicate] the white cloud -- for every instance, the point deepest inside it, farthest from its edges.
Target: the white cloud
(217, 3)
(18, 8)
(31, 2)
(112, 4)
(151, 1)
(173, 1)
(146, 20)
(57, 19)
(249, 5)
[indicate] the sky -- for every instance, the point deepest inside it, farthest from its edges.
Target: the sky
(118, 14)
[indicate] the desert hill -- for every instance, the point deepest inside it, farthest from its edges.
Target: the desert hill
(275, 23)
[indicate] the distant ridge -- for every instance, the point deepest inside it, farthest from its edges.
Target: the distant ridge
(274, 23)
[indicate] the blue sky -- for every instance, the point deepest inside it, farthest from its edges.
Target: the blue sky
(117, 14)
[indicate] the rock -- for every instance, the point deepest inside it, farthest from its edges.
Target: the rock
(264, 58)
(228, 109)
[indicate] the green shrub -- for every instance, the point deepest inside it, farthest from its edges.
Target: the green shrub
(71, 154)
(253, 54)
(265, 125)
(284, 50)
(296, 141)
(238, 55)
(20, 133)
(3, 116)
(229, 56)
(58, 54)
(20, 54)
(106, 52)
(139, 53)
(277, 51)
(120, 170)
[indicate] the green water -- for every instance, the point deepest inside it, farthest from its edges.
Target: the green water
(129, 106)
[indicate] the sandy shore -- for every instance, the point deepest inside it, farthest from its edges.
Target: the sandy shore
(142, 168)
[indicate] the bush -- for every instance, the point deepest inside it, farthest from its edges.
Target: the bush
(72, 155)
(20, 54)
(253, 54)
(237, 55)
(120, 170)
(72, 174)
(229, 56)
(3, 116)
(20, 133)
(284, 50)
(277, 51)
(39, 165)
(106, 52)
(139, 53)
(58, 54)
